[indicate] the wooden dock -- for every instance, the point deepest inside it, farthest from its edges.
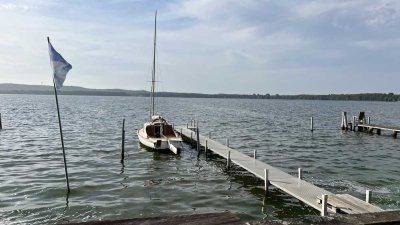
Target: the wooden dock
(302, 190)
(378, 128)
(363, 123)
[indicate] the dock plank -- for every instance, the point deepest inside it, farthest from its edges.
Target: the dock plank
(300, 189)
(381, 127)
(194, 219)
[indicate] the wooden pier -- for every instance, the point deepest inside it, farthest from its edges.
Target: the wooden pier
(360, 123)
(318, 198)
(371, 127)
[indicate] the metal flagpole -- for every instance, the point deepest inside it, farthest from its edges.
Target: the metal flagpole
(61, 133)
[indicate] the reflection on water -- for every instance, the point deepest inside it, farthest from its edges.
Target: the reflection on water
(32, 181)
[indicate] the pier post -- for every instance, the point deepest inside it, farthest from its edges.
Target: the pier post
(191, 122)
(300, 171)
(394, 135)
(227, 142)
(344, 125)
(187, 125)
(1, 125)
(266, 181)
(368, 195)
(181, 132)
(228, 160)
(123, 142)
(255, 154)
(191, 139)
(378, 131)
(198, 139)
(209, 135)
(369, 120)
(354, 123)
(324, 209)
(312, 124)
(205, 148)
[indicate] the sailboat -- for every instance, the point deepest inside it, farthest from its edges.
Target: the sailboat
(157, 133)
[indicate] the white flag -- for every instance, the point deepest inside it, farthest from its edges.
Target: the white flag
(60, 66)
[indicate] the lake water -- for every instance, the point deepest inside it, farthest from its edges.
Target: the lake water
(32, 180)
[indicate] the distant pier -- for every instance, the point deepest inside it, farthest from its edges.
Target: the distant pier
(363, 124)
(318, 198)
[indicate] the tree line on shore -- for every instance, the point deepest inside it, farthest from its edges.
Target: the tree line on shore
(71, 90)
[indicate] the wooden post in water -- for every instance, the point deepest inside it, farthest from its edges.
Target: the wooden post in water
(324, 209)
(209, 135)
(368, 195)
(123, 142)
(181, 133)
(344, 125)
(198, 139)
(312, 124)
(354, 123)
(191, 139)
(1, 125)
(227, 142)
(378, 131)
(394, 134)
(205, 148)
(255, 154)
(369, 120)
(266, 181)
(228, 160)
(300, 173)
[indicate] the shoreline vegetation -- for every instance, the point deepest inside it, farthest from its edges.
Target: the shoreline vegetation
(74, 90)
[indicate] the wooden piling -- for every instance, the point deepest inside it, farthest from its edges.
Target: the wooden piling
(344, 125)
(205, 148)
(378, 131)
(368, 195)
(227, 142)
(300, 173)
(324, 209)
(209, 135)
(354, 123)
(191, 139)
(228, 160)
(123, 142)
(266, 181)
(1, 125)
(255, 154)
(312, 124)
(198, 139)
(369, 120)
(394, 134)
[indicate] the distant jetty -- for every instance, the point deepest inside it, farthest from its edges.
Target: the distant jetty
(74, 90)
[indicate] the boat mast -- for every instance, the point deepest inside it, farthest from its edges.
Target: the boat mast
(153, 78)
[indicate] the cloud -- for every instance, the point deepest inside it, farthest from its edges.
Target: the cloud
(262, 43)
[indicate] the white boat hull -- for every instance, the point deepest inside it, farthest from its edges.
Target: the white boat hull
(162, 143)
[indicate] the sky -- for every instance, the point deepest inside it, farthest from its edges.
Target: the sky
(207, 46)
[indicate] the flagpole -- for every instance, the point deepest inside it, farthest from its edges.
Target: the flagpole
(61, 133)
(62, 138)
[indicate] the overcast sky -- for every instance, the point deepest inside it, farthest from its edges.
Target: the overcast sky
(208, 46)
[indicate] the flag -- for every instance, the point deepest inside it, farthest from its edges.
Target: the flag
(60, 66)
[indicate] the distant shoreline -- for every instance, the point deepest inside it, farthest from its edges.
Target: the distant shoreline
(73, 90)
